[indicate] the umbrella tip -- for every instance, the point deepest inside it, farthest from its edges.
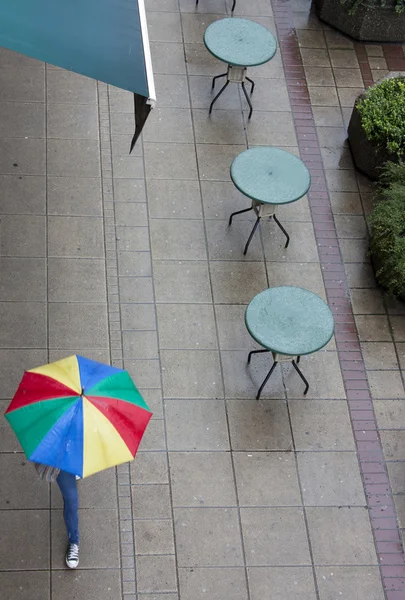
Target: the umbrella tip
(82, 392)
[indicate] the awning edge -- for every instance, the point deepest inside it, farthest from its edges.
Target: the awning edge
(147, 53)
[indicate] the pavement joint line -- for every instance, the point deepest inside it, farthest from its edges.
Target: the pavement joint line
(116, 349)
(134, 588)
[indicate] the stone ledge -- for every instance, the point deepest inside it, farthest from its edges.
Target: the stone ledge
(369, 23)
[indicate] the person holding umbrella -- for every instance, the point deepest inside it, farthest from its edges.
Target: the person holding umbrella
(68, 486)
(73, 418)
(67, 483)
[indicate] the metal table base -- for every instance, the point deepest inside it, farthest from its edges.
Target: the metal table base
(279, 358)
(234, 75)
(262, 211)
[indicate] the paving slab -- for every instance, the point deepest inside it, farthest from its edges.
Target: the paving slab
(96, 526)
(151, 501)
(30, 548)
(349, 580)
(24, 490)
(218, 583)
(341, 536)
(93, 584)
(31, 585)
(325, 481)
(218, 532)
(202, 479)
(271, 582)
(156, 574)
(267, 533)
(206, 425)
(266, 479)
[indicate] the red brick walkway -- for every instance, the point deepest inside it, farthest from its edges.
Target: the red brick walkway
(369, 448)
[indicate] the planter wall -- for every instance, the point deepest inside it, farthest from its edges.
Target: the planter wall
(376, 265)
(367, 24)
(367, 155)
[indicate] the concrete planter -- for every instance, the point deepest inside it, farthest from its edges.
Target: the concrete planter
(367, 155)
(369, 23)
(376, 265)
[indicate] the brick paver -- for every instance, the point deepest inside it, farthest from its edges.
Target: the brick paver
(130, 259)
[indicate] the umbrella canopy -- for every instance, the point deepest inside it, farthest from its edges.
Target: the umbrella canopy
(78, 415)
(103, 39)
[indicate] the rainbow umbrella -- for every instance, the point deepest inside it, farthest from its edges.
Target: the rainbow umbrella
(78, 415)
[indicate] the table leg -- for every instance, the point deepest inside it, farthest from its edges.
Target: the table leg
(253, 84)
(217, 77)
(256, 352)
(283, 230)
(217, 96)
(301, 375)
(239, 212)
(266, 380)
(247, 98)
(251, 235)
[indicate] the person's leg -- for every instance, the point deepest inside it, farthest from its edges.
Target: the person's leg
(68, 487)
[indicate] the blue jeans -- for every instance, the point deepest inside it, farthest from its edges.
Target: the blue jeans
(68, 487)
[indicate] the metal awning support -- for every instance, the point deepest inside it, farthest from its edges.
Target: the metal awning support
(143, 104)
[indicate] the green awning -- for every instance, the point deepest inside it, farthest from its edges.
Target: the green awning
(103, 39)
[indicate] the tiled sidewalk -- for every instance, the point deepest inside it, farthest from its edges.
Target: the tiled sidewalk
(130, 259)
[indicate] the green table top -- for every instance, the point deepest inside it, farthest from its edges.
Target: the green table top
(240, 42)
(289, 320)
(270, 175)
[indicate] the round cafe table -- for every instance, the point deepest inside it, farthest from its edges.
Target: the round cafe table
(240, 43)
(289, 322)
(269, 177)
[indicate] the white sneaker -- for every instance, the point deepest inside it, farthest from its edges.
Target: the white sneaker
(72, 556)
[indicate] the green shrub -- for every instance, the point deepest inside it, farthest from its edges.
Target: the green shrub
(382, 113)
(387, 220)
(352, 5)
